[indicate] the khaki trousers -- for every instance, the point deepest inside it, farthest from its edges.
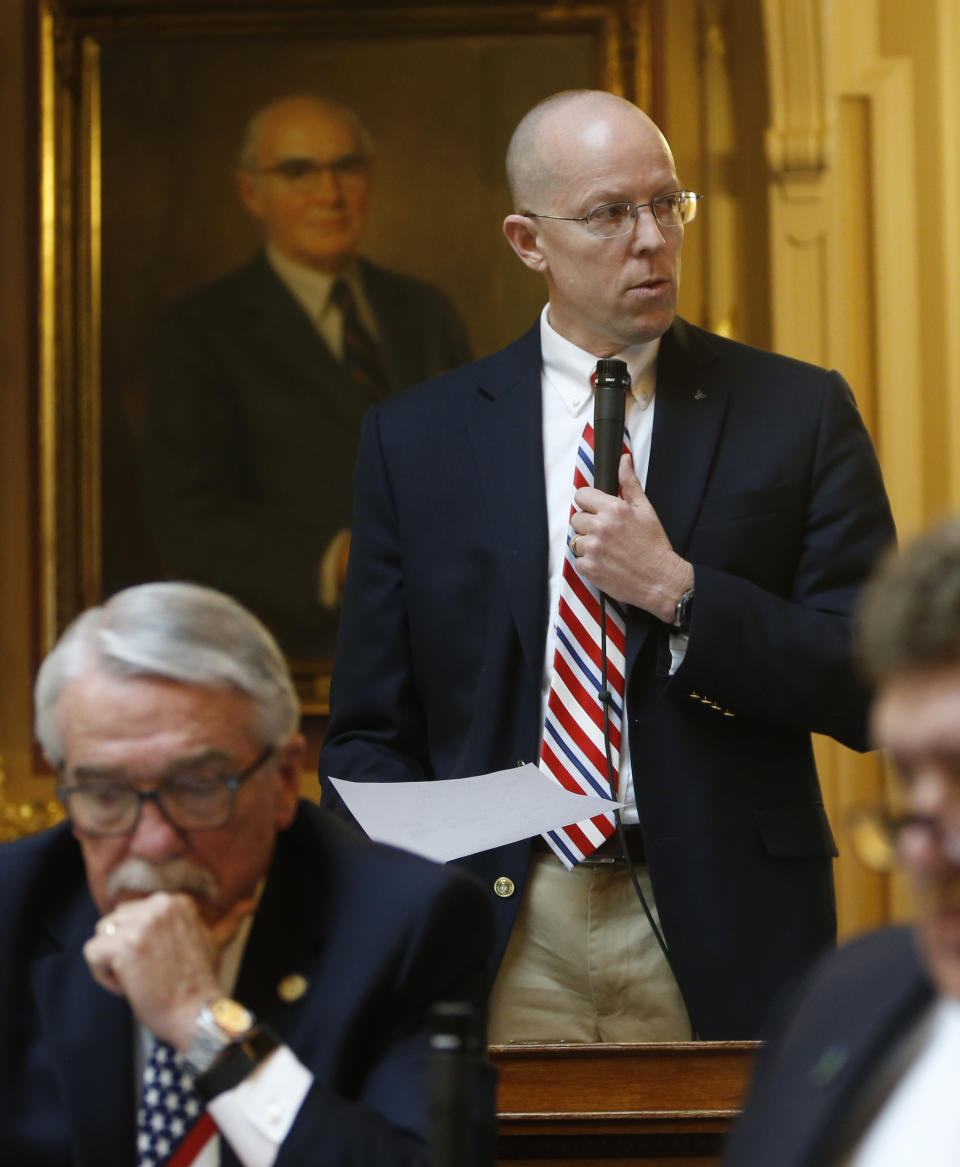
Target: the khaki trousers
(583, 965)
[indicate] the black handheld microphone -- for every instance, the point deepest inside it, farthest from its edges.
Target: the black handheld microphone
(612, 385)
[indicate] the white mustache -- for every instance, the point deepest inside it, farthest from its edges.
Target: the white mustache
(138, 877)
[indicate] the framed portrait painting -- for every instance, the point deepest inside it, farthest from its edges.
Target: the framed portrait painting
(145, 109)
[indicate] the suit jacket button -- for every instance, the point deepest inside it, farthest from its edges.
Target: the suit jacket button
(504, 887)
(292, 987)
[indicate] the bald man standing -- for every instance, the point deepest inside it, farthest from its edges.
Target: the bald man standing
(751, 508)
(259, 381)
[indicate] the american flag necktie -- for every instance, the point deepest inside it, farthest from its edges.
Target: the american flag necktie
(573, 751)
(361, 353)
(172, 1125)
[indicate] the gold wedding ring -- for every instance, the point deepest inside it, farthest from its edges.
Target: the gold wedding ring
(575, 545)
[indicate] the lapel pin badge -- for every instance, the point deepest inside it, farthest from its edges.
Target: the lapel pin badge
(829, 1065)
(292, 987)
(699, 395)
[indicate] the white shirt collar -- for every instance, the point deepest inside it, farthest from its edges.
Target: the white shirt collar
(311, 287)
(568, 368)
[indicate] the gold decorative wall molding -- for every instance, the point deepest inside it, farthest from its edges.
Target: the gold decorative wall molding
(25, 818)
(844, 285)
(948, 223)
(800, 143)
(721, 227)
(890, 280)
(800, 137)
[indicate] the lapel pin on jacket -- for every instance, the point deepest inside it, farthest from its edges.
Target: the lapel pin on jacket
(292, 987)
(829, 1065)
(699, 395)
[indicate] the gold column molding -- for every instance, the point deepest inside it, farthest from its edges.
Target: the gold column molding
(843, 287)
(25, 818)
(800, 140)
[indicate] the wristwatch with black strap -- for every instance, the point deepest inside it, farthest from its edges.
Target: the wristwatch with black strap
(227, 1046)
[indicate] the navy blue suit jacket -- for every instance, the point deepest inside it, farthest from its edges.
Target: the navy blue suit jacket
(379, 935)
(251, 432)
(764, 477)
(836, 1030)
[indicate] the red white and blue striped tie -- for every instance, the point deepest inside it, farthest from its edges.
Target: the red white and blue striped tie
(573, 752)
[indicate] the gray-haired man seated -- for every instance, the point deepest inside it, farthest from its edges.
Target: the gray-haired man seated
(198, 964)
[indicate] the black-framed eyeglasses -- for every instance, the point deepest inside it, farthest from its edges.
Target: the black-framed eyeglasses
(188, 802)
(881, 838)
(608, 220)
(306, 175)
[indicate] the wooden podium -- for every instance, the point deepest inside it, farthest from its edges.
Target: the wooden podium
(606, 1105)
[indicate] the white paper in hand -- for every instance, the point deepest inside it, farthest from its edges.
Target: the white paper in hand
(446, 819)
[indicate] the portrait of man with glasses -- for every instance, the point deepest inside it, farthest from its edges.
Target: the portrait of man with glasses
(259, 380)
(189, 966)
(861, 1069)
(475, 633)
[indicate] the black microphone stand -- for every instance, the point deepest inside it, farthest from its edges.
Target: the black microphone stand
(462, 1133)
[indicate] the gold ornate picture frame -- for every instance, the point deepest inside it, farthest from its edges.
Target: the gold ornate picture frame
(142, 105)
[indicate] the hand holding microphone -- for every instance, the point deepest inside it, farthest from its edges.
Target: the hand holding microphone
(621, 546)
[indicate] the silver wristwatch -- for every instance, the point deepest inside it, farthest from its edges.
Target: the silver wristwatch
(683, 614)
(220, 1024)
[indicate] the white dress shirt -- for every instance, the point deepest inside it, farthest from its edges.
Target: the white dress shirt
(567, 406)
(920, 1120)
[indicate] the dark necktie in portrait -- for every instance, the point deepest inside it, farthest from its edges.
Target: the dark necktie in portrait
(361, 353)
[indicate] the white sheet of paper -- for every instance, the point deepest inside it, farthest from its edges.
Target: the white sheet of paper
(446, 819)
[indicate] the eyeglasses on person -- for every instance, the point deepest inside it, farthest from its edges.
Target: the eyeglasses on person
(189, 802)
(882, 839)
(612, 219)
(306, 176)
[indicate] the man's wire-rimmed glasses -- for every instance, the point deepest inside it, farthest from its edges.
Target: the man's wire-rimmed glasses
(188, 802)
(608, 220)
(882, 838)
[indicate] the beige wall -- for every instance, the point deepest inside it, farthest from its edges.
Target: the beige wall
(824, 137)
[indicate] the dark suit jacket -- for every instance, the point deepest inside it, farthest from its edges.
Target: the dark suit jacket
(380, 936)
(764, 477)
(251, 432)
(836, 1031)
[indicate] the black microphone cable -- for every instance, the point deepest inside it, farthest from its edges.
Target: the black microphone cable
(610, 374)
